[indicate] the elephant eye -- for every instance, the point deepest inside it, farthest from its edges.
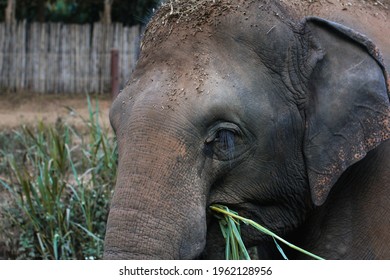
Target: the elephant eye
(222, 143)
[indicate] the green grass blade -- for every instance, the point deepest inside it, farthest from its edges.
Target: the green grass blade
(89, 233)
(55, 246)
(280, 249)
(222, 210)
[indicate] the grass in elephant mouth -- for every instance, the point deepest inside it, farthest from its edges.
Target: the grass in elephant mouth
(229, 222)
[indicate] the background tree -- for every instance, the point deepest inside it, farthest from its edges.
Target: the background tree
(128, 12)
(31, 10)
(10, 11)
(134, 11)
(106, 18)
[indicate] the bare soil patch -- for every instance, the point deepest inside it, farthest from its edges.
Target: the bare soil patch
(29, 109)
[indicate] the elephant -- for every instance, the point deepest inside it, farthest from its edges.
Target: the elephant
(277, 112)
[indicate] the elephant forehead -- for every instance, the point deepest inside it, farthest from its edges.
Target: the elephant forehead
(225, 35)
(190, 14)
(200, 76)
(182, 21)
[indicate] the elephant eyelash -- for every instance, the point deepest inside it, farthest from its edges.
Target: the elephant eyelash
(225, 142)
(226, 139)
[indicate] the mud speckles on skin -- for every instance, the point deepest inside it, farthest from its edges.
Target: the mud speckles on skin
(196, 77)
(199, 74)
(196, 14)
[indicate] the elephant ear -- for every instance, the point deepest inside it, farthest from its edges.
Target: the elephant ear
(347, 110)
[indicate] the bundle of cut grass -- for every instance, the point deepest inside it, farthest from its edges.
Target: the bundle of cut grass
(229, 222)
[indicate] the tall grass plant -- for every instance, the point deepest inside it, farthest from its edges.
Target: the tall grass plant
(60, 181)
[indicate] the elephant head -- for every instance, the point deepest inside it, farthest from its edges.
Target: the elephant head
(242, 105)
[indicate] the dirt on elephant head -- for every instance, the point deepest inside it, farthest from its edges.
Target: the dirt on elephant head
(183, 20)
(192, 15)
(369, 17)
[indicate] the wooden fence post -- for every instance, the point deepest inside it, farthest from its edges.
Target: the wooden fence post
(114, 72)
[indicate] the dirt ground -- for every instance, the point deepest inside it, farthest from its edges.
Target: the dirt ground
(25, 108)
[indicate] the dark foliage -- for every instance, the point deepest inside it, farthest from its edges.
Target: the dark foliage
(128, 12)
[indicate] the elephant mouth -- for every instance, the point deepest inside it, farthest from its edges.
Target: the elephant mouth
(215, 241)
(258, 245)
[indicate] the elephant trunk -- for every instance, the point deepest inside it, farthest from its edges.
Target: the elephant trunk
(156, 211)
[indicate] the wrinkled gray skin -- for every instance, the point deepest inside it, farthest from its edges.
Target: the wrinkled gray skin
(284, 121)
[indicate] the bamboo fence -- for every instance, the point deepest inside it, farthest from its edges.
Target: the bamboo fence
(59, 58)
